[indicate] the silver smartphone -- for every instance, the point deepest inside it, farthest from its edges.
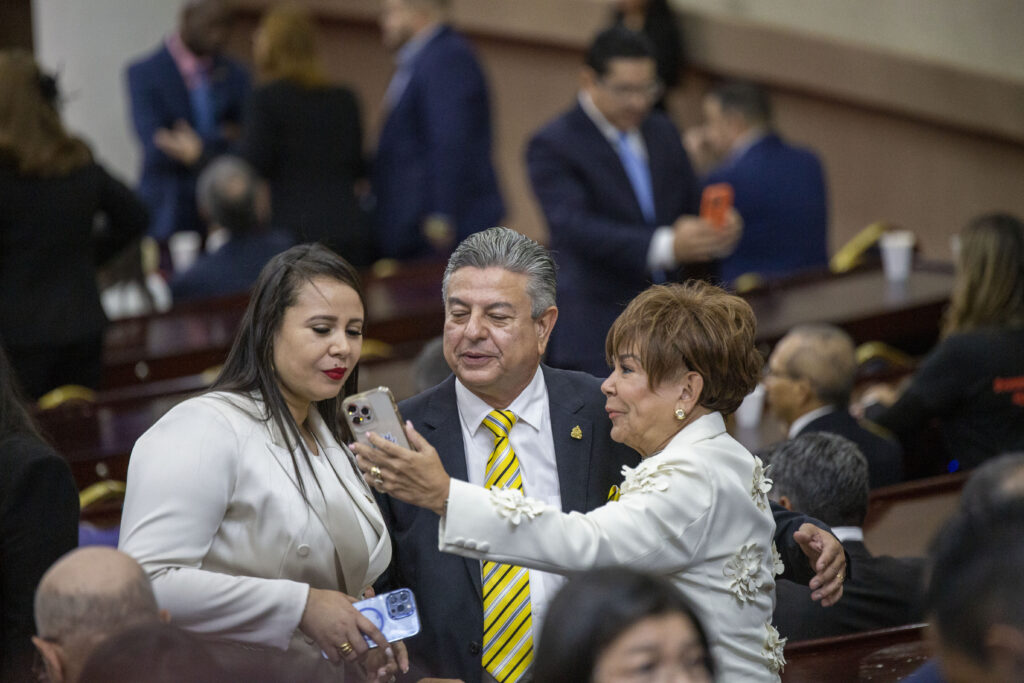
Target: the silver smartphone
(375, 411)
(394, 613)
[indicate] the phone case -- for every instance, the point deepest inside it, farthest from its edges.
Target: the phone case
(375, 411)
(394, 613)
(715, 203)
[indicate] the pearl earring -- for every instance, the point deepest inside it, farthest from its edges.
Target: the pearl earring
(680, 414)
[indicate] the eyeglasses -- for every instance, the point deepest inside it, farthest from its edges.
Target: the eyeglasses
(623, 91)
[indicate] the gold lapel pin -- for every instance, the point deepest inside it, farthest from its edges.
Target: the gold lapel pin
(576, 432)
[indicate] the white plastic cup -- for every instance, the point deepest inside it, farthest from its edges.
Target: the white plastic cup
(748, 415)
(184, 247)
(897, 251)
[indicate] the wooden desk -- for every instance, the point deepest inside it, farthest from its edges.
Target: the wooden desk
(884, 655)
(903, 518)
(862, 302)
(404, 310)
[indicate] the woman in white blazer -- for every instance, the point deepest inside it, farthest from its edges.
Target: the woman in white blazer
(695, 510)
(243, 505)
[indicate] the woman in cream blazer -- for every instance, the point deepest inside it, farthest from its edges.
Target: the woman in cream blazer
(242, 505)
(695, 510)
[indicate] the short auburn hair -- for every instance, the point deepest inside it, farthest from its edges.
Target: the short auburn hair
(697, 327)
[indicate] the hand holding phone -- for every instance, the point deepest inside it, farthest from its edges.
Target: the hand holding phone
(375, 410)
(715, 203)
(394, 613)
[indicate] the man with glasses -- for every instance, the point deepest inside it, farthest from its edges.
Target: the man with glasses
(619, 196)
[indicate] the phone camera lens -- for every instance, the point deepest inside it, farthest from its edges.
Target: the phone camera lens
(365, 410)
(351, 408)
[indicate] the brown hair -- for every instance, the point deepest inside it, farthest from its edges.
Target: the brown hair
(291, 47)
(989, 287)
(31, 134)
(696, 327)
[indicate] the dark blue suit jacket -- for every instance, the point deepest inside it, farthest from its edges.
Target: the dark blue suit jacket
(780, 193)
(434, 153)
(158, 99)
(232, 269)
(884, 455)
(447, 587)
(599, 235)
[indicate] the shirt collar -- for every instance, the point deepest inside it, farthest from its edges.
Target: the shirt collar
(807, 418)
(848, 533)
(746, 141)
(414, 46)
(606, 127)
(529, 405)
(190, 66)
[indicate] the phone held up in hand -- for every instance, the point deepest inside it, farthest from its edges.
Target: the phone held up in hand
(375, 411)
(394, 613)
(715, 203)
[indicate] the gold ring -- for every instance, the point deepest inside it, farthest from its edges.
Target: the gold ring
(378, 482)
(841, 577)
(376, 473)
(345, 649)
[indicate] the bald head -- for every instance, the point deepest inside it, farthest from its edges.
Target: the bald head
(84, 597)
(812, 366)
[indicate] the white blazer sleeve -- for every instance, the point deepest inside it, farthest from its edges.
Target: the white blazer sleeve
(180, 481)
(660, 526)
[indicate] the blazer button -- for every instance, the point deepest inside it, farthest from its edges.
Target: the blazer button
(474, 648)
(459, 541)
(303, 550)
(483, 546)
(471, 545)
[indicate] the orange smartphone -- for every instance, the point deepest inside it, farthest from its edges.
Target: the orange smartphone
(715, 203)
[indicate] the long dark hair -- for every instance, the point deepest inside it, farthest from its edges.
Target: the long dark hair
(14, 418)
(250, 364)
(593, 610)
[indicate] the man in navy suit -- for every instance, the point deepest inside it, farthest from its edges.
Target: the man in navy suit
(433, 177)
(810, 376)
(826, 476)
(619, 196)
(778, 189)
(499, 292)
(186, 102)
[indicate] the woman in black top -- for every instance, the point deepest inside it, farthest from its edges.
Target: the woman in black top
(38, 524)
(62, 216)
(973, 381)
(305, 137)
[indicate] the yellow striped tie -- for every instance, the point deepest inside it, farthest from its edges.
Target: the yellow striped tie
(508, 626)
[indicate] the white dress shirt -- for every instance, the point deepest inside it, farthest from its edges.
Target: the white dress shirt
(531, 440)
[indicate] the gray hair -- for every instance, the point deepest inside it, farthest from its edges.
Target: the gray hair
(825, 356)
(995, 480)
(227, 192)
(63, 615)
(824, 475)
(516, 253)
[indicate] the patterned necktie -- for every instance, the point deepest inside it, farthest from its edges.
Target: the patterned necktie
(639, 176)
(508, 627)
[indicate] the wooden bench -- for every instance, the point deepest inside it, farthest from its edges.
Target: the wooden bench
(884, 655)
(903, 518)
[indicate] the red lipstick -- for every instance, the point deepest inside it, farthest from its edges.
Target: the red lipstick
(336, 373)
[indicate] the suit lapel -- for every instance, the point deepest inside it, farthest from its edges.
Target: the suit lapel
(572, 435)
(442, 428)
(605, 155)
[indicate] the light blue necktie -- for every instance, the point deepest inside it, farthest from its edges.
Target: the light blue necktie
(201, 97)
(639, 176)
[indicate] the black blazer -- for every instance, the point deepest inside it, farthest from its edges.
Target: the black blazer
(38, 524)
(49, 251)
(447, 587)
(884, 455)
(879, 592)
(308, 144)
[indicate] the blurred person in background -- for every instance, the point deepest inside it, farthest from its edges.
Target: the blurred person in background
(62, 216)
(305, 137)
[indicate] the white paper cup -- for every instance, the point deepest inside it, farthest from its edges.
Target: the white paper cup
(184, 247)
(897, 251)
(748, 415)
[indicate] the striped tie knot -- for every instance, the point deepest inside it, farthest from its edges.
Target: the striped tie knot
(500, 423)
